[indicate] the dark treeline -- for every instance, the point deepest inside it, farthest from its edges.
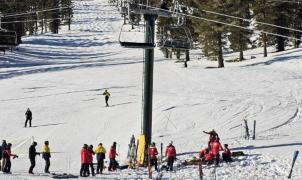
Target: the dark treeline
(215, 38)
(34, 23)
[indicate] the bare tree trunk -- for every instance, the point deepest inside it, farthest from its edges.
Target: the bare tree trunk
(265, 44)
(220, 53)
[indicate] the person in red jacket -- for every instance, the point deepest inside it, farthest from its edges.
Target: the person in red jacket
(90, 160)
(215, 147)
(208, 157)
(152, 154)
(202, 152)
(171, 154)
(227, 155)
(6, 157)
(112, 154)
(212, 137)
(84, 172)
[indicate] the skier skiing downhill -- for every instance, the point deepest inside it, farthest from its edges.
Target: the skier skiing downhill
(171, 154)
(100, 152)
(6, 158)
(107, 95)
(32, 157)
(28, 115)
(46, 156)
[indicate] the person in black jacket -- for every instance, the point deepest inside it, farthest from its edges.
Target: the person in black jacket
(32, 157)
(2, 148)
(29, 116)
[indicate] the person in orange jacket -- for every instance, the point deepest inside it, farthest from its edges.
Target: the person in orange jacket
(171, 154)
(227, 155)
(152, 155)
(112, 154)
(215, 147)
(84, 172)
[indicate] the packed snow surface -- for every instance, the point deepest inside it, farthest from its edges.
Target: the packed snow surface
(61, 78)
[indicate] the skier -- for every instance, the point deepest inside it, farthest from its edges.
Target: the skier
(3, 146)
(100, 156)
(28, 115)
(212, 137)
(171, 154)
(6, 157)
(107, 95)
(32, 157)
(215, 147)
(152, 154)
(227, 155)
(90, 159)
(46, 156)
(112, 154)
(84, 161)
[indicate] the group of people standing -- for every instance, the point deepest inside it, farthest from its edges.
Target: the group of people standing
(6, 154)
(87, 154)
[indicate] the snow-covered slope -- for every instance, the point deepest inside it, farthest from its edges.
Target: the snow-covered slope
(62, 77)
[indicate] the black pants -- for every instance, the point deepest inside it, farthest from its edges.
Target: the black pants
(47, 165)
(100, 166)
(92, 169)
(106, 100)
(153, 162)
(112, 165)
(28, 119)
(84, 170)
(217, 159)
(226, 158)
(32, 165)
(170, 163)
(7, 165)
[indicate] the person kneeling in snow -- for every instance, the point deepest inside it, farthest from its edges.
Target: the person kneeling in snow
(227, 155)
(208, 157)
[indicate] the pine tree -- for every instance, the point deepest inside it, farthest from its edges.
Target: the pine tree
(240, 38)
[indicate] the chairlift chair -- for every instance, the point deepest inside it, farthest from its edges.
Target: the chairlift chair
(8, 38)
(130, 43)
(166, 40)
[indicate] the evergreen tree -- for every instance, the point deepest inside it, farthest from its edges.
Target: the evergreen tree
(240, 38)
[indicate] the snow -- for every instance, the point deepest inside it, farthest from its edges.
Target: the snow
(61, 78)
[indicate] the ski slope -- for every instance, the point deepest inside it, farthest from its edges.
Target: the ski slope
(61, 78)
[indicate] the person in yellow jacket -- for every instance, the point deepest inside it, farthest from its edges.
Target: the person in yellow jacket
(46, 156)
(107, 95)
(100, 152)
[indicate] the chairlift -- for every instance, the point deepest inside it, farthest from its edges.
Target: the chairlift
(8, 38)
(167, 39)
(127, 34)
